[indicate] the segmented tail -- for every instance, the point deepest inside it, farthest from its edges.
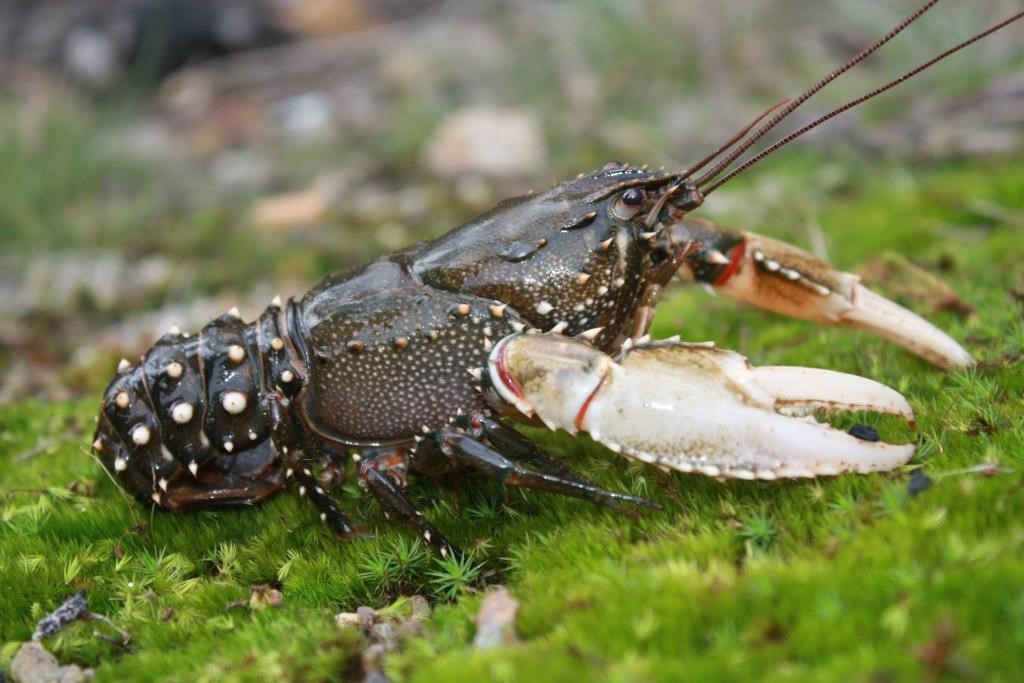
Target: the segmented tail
(188, 425)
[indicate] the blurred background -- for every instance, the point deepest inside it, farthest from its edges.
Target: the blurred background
(163, 160)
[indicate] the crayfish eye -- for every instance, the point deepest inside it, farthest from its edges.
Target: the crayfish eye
(629, 203)
(633, 197)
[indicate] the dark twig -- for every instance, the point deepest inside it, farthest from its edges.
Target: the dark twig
(73, 609)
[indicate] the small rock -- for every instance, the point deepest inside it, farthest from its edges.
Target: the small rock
(364, 617)
(367, 616)
(373, 661)
(265, 595)
(53, 623)
(34, 664)
(385, 634)
(92, 56)
(420, 607)
(346, 619)
(239, 170)
(306, 115)
(864, 433)
(495, 620)
(150, 139)
(498, 143)
(57, 283)
(303, 208)
(919, 482)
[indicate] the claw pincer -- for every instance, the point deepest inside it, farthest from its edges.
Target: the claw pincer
(694, 408)
(776, 276)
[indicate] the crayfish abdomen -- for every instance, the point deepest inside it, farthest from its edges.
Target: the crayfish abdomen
(187, 427)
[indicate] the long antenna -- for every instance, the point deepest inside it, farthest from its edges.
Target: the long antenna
(853, 103)
(788, 109)
(733, 140)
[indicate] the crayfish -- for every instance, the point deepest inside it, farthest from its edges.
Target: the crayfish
(537, 311)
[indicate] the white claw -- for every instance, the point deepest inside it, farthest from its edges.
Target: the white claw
(877, 315)
(693, 408)
(812, 388)
(123, 365)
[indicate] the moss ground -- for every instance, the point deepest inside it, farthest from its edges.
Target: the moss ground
(851, 578)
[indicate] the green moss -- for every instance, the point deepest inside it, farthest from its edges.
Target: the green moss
(835, 579)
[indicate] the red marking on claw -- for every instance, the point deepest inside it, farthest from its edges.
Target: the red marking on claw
(580, 416)
(506, 377)
(734, 263)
